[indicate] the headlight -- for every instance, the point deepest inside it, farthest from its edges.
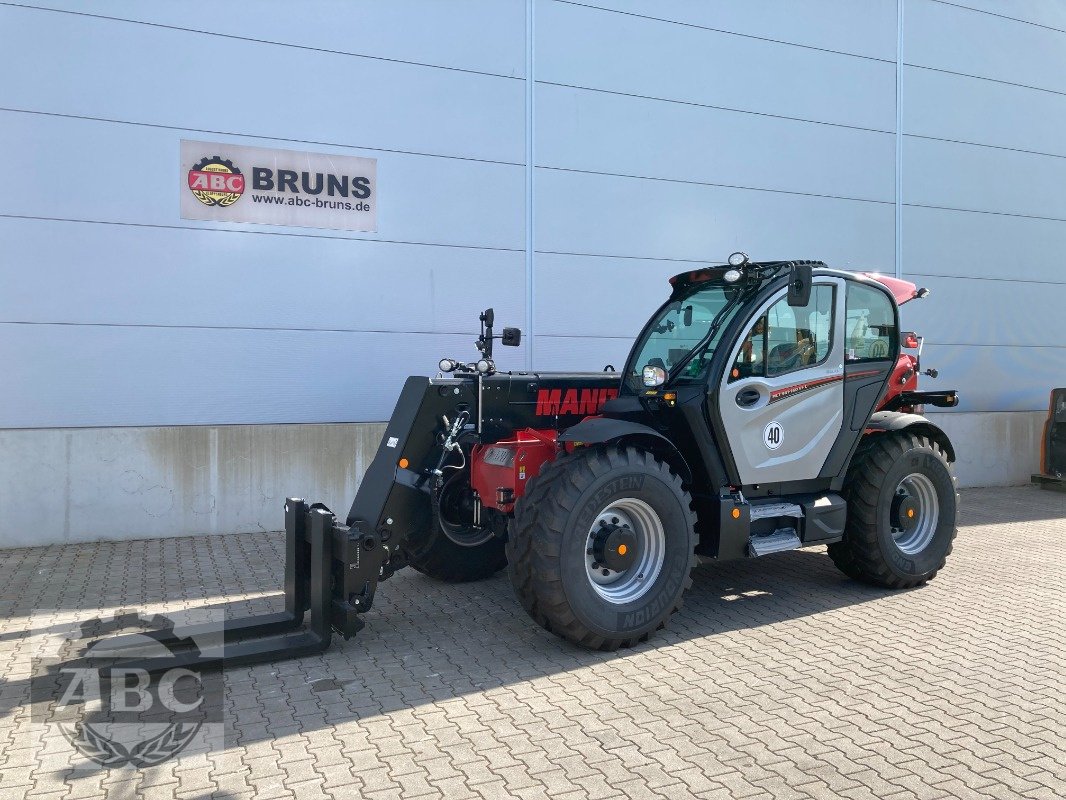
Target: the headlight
(484, 366)
(732, 276)
(447, 365)
(653, 376)
(738, 259)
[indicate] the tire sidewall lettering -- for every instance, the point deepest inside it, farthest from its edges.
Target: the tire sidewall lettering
(612, 490)
(643, 614)
(927, 463)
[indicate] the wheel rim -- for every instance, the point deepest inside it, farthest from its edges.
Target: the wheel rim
(632, 583)
(918, 493)
(456, 510)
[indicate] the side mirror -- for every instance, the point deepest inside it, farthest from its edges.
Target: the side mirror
(512, 337)
(800, 280)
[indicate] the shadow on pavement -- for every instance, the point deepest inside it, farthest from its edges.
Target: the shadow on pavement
(427, 642)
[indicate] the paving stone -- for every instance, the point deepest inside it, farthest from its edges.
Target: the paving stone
(780, 678)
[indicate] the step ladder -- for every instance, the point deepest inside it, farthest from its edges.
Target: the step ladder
(781, 539)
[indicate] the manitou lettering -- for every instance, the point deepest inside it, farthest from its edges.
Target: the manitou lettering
(554, 402)
(265, 179)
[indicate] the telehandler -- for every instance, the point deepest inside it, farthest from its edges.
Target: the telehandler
(764, 407)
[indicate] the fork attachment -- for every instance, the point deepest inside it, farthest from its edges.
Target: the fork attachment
(331, 570)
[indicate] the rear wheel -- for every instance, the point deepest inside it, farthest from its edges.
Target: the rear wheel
(902, 505)
(602, 545)
(453, 548)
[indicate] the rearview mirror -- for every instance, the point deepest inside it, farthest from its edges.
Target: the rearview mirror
(511, 337)
(686, 317)
(800, 279)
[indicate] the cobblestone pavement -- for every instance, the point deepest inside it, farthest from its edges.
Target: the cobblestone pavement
(779, 679)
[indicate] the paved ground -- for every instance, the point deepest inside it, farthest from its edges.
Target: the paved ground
(779, 679)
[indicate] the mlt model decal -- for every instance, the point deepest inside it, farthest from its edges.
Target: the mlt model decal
(799, 388)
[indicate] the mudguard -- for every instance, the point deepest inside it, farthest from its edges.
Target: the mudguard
(886, 421)
(603, 430)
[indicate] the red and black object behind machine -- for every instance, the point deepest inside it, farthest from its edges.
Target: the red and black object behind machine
(1053, 445)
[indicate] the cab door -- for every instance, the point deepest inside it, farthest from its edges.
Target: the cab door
(781, 400)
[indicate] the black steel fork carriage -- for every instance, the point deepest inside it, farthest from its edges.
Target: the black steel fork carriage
(323, 559)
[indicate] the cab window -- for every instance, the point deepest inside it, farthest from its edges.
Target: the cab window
(787, 338)
(870, 329)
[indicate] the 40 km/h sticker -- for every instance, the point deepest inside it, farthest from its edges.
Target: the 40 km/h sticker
(772, 436)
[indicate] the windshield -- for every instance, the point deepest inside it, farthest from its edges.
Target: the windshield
(678, 328)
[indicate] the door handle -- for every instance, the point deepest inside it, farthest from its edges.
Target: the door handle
(748, 397)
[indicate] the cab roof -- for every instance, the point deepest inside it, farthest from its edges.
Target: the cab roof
(903, 291)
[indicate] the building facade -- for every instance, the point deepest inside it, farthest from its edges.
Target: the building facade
(556, 160)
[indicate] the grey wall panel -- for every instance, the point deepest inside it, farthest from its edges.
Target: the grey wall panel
(484, 35)
(939, 242)
(587, 47)
(603, 296)
(956, 107)
(997, 377)
(82, 169)
(951, 175)
(605, 215)
(991, 313)
(167, 77)
(585, 130)
(190, 320)
(867, 28)
(79, 375)
(1050, 14)
(580, 353)
(232, 279)
(948, 37)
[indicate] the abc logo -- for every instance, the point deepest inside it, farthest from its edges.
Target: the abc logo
(216, 182)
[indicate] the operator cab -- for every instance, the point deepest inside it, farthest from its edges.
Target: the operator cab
(764, 374)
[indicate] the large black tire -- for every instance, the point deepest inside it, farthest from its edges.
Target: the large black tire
(550, 537)
(433, 553)
(891, 476)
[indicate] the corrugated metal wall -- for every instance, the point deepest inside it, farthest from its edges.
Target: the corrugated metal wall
(984, 214)
(673, 133)
(142, 318)
(664, 134)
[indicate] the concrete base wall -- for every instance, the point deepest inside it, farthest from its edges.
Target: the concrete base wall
(88, 484)
(994, 448)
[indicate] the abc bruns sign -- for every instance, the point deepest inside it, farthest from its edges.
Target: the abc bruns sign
(232, 183)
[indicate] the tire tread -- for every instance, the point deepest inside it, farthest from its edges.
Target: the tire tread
(536, 533)
(858, 555)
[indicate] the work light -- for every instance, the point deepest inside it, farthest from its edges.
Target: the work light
(653, 376)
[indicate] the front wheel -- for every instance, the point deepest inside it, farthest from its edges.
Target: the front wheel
(902, 507)
(451, 547)
(602, 545)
